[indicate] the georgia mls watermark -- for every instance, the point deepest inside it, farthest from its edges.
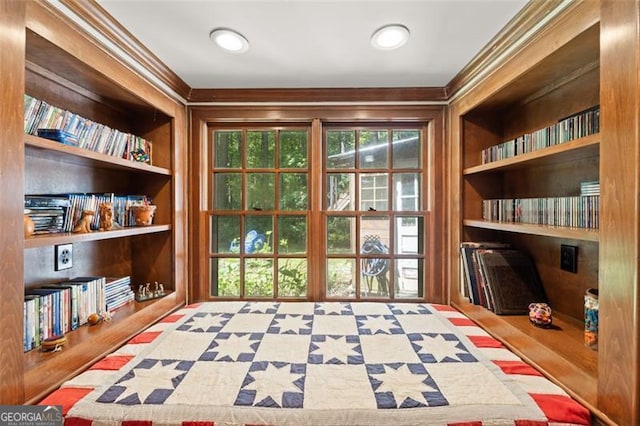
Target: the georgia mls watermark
(30, 415)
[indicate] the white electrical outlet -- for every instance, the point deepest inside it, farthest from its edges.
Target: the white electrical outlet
(63, 257)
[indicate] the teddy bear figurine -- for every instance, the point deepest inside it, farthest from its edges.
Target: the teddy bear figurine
(84, 224)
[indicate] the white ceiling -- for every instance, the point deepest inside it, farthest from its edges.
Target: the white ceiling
(314, 43)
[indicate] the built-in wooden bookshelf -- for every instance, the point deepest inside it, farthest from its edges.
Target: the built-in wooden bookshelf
(61, 64)
(533, 89)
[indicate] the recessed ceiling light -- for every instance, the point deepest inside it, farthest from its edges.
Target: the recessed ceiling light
(390, 37)
(229, 40)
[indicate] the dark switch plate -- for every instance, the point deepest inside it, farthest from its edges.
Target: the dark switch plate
(569, 258)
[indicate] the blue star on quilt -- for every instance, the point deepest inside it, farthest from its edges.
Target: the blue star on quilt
(274, 385)
(408, 309)
(435, 347)
(333, 308)
(335, 350)
(291, 324)
(378, 324)
(401, 385)
(150, 382)
(233, 347)
(259, 308)
(205, 322)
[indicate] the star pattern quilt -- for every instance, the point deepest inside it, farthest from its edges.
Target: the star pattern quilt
(305, 363)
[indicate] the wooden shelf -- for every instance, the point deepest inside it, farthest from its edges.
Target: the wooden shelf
(558, 352)
(44, 371)
(52, 150)
(65, 238)
(587, 147)
(542, 230)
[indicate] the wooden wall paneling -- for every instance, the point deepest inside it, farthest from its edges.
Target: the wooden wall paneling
(565, 290)
(180, 149)
(108, 257)
(149, 254)
(434, 262)
(159, 130)
(477, 188)
(12, 42)
(310, 95)
(200, 179)
(50, 176)
(317, 276)
(554, 102)
(480, 129)
(619, 352)
(555, 180)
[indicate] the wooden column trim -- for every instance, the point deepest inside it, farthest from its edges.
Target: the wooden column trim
(12, 57)
(619, 346)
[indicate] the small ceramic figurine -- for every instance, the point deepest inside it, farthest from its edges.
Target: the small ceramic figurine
(84, 224)
(540, 315)
(106, 216)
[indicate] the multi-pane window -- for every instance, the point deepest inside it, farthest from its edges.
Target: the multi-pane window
(374, 214)
(348, 224)
(259, 207)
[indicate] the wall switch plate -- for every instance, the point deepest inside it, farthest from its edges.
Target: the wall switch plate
(63, 258)
(569, 258)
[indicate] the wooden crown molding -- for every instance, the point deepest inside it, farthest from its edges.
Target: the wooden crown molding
(100, 20)
(404, 94)
(521, 24)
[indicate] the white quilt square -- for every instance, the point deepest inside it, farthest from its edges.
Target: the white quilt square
(248, 323)
(368, 308)
(470, 383)
(182, 345)
(222, 307)
(422, 324)
(335, 325)
(332, 387)
(301, 308)
(381, 348)
(284, 348)
(210, 383)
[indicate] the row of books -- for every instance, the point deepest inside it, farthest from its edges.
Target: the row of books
(43, 119)
(499, 278)
(53, 213)
(574, 212)
(55, 309)
(582, 124)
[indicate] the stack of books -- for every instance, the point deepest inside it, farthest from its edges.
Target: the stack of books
(47, 212)
(589, 188)
(499, 278)
(117, 293)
